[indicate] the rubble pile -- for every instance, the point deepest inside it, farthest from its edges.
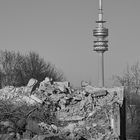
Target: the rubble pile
(86, 113)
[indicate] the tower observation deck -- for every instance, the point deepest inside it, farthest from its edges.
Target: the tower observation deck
(101, 43)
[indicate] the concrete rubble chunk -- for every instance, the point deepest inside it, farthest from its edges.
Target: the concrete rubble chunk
(62, 86)
(36, 99)
(84, 83)
(32, 82)
(45, 84)
(100, 93)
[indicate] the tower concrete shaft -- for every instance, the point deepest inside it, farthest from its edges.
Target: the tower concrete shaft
(101, 44)
(101, 69)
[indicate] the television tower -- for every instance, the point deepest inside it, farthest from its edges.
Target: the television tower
(101, 44)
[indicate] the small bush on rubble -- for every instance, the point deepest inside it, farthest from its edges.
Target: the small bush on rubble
(16, 69)
(19, 118)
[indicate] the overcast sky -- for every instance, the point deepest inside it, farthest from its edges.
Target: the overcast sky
(61, 32)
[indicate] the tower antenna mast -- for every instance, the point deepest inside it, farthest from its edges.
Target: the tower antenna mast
(101, 44)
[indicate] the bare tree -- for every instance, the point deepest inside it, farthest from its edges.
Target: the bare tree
(35, 67)
(10, 64)
(16, 69)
